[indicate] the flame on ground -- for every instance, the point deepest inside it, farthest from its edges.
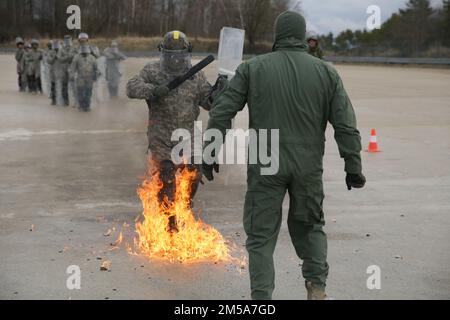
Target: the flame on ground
(194, 241)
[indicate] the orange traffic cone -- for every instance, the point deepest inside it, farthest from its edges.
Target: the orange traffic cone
(373, 145)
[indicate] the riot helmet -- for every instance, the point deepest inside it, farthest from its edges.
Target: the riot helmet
(83, 38)
(175, 53)
(19, 41)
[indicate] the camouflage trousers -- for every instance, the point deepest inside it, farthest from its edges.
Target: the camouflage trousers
(22, 81)
(84, 95)
(34, 83)
(59, 90)
(113, 88)
(167, 170)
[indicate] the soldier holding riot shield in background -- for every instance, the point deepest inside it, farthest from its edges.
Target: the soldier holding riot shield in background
(65, 56)
(84, 71)
(113, 58)
(21, 72)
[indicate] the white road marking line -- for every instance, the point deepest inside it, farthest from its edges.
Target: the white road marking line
(23, 134)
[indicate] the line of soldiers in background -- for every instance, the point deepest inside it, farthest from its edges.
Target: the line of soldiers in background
(29, 57)
(66, 72)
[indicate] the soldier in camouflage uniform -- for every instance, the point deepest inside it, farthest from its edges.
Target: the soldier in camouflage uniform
(83, 40)
(84, 71)
(171, 110)
(20, 54)
(314, 46)
(33, 60)
(65, 56)
(55, 71)
(113, 58)
(24, 65)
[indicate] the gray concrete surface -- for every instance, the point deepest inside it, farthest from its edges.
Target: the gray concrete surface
(442, 62)
(73, 176)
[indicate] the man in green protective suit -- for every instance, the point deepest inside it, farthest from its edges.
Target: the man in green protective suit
(292, 91)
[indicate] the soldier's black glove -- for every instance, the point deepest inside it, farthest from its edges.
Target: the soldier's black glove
(218, 87)
(221, 83)
(161, 92)
(207, 170)
(356, 181)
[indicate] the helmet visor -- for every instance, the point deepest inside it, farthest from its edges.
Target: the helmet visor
(175, 62)
(67, 41)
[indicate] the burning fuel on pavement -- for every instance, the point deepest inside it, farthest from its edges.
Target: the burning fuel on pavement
(170, 230)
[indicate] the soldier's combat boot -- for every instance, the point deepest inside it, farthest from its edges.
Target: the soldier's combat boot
(172, 227)
(315, 293)
(167, 193)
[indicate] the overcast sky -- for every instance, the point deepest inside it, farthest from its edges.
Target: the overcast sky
(337, 15)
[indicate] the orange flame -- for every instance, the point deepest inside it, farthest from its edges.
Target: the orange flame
(194, 240)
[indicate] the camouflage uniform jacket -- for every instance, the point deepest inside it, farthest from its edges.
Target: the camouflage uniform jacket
(95, 51)
(65, 56)
(33, 60)
(20, 54)
(178, 110)
(84, 70)
(55, 65)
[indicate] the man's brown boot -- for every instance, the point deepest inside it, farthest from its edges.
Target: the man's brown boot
(315, 293)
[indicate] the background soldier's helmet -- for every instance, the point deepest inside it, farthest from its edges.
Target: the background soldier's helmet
(175, 53)
(83, 37)
(312, 36)
(35, 43)
(85, 49)
(19, 40)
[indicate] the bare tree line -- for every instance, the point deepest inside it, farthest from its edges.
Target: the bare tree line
(111, 18)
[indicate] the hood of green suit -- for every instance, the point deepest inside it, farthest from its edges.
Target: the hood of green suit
(290, 32)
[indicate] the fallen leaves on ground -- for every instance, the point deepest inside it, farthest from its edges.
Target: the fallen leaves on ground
(106, 265)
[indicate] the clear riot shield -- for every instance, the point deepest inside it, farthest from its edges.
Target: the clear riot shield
(122, 84)
(100, 86)
(73, 93)
(231, 49)
(59, 92)
(45, 79)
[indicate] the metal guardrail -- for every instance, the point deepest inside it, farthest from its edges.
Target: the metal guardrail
(386, 60)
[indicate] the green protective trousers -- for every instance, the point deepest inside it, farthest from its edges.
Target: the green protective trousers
(262, 222)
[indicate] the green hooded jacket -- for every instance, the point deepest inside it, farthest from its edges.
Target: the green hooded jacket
(298, 94)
